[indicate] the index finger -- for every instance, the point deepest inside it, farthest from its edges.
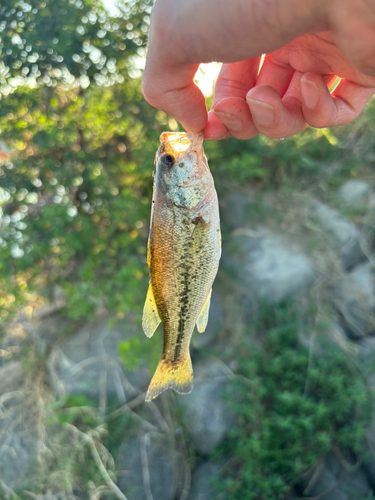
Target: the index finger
(170, 87)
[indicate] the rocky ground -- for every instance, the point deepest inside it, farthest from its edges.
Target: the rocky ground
(282, 246)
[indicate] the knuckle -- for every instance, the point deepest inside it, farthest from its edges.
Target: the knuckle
(319, 121)
(320, 118)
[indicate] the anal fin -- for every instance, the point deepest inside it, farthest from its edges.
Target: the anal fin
(151, 318)
(203, 317)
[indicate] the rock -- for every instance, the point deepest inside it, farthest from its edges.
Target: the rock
(344, 234)
(354, 297)
(268, 267)
(355, 193)
(205, 414)
(88, 363)
(201, 482)
(353, 484)
(18, 429)
(215, 323)
(149, 461)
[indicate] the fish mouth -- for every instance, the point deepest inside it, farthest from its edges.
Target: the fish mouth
(180, 142)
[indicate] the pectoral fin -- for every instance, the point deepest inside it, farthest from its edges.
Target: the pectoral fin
(151, 319)
(203, 317)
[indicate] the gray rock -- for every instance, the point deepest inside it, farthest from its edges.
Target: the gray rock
(215, 324)
(149, 462)
(354, 297)
(89, 363)
(206, 416)
(344, 234)
(268, 267)
(201, 482)
(353, 484)
(355, 193)
(18, 429)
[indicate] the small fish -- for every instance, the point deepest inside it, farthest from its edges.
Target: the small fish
(184, 249)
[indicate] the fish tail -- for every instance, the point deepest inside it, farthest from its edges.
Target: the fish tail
(177, 376)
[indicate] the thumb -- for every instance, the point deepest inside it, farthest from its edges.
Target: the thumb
(172, 90)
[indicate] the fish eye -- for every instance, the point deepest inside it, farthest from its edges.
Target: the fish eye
(167, 160)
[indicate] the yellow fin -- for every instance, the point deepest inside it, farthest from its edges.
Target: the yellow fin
(151, 318)
(168, 375)
(203, 317)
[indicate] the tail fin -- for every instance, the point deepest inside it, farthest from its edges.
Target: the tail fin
(168, 375)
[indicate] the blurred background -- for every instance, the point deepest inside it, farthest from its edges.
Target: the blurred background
(283, 402)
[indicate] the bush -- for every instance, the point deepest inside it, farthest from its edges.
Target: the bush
(299, 407)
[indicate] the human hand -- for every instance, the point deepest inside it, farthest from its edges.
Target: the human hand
(308, 44)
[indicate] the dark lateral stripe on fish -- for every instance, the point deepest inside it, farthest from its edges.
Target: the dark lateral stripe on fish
(182, 313)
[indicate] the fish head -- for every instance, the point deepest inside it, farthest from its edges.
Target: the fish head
(182, 172)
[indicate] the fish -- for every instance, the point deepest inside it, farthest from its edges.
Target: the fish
(184, 249)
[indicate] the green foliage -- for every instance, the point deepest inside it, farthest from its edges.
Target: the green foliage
(269, 160)
(299, 406)
(73, 409)
(75, 193)
(140, 349)
(67, 39)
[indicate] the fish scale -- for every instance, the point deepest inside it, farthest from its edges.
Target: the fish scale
(184, 253)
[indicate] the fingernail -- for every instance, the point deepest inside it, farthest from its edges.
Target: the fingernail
(261, 112)
(310, 93)
(230, 121)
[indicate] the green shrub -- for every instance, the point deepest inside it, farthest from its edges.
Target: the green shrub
(299, 406)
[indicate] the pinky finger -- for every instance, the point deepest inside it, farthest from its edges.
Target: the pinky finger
(322, 109)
